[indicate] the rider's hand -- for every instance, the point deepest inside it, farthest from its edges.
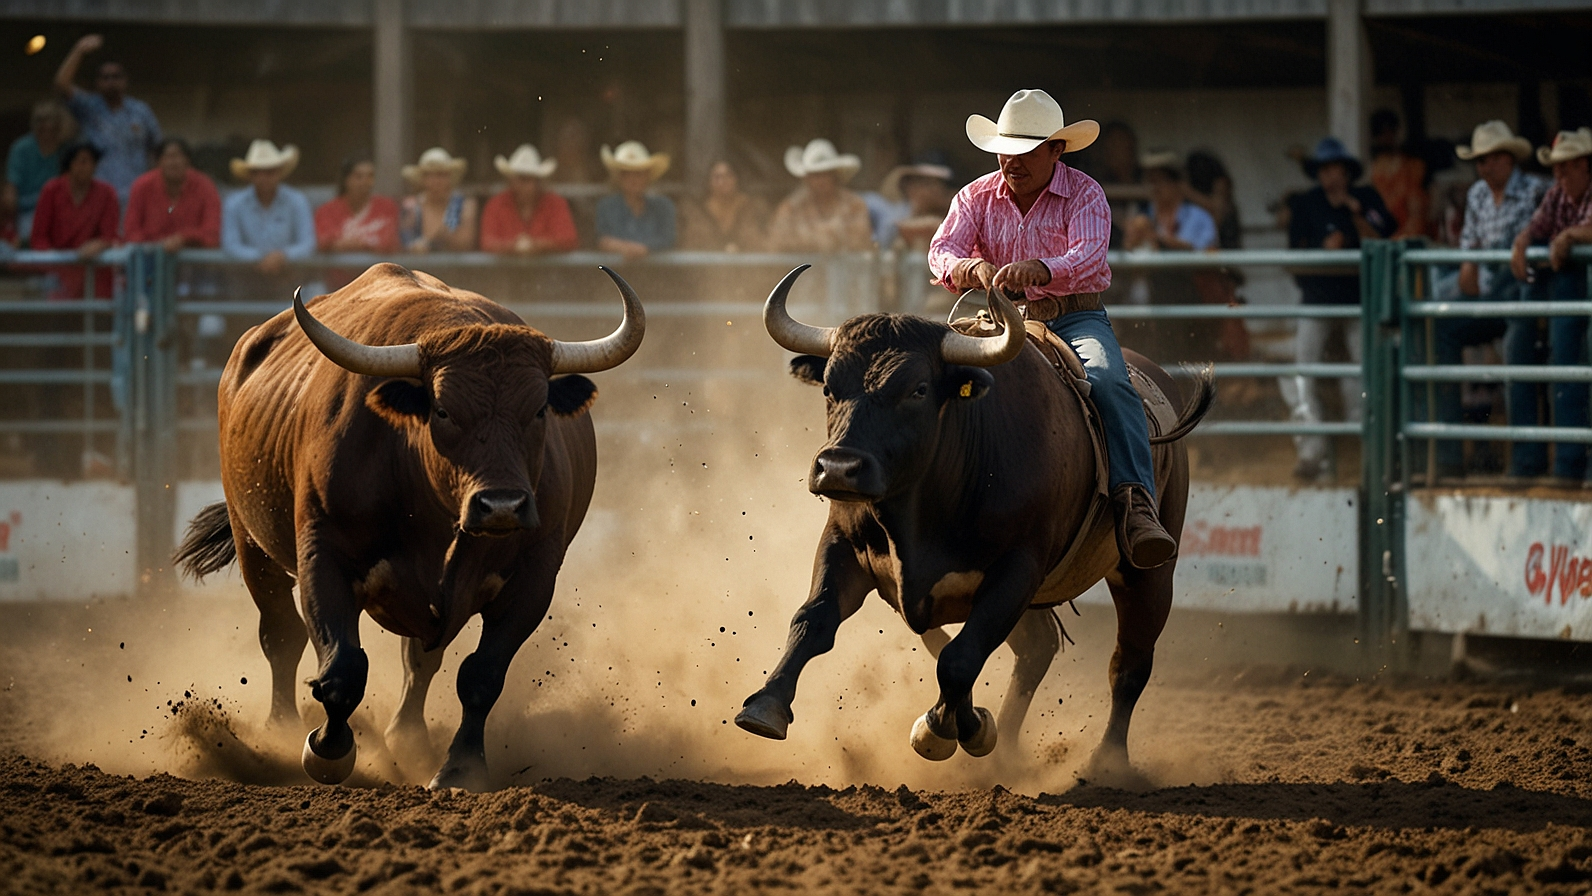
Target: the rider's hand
(1019, 275)
(972, 273)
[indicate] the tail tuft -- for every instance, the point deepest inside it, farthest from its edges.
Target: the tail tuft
(207, 546)
(1205, 384)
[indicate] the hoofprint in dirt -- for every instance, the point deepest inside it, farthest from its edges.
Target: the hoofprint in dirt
(1326, 784)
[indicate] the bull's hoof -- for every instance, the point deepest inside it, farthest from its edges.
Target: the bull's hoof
(765, 716)
(324, 769)
(982, 743)
(929, 745)
(468, 774)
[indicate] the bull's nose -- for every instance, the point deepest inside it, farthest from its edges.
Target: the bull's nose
(845, 474)
(499, 510)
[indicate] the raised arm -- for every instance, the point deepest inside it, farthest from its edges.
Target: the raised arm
(66, 75)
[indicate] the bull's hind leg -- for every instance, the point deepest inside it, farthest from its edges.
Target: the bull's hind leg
(1143, 598)
(1034, 641)
(282, 633)
(406, 735)
(339, 682)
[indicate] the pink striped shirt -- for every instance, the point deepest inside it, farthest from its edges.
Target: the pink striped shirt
(1068, 228)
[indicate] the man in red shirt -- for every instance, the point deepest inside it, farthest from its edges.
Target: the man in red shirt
(527, 219)
(174, 204)
(76, 211)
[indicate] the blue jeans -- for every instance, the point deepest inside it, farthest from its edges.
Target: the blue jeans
(1568, 401)
(1121, 409)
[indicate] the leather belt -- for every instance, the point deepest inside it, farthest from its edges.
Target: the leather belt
(1052, 307)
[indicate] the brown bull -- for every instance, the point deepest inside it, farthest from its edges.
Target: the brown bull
(424, 466)
(963, 488)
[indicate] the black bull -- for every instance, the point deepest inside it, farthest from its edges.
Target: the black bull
(426, 469)
(959, 474)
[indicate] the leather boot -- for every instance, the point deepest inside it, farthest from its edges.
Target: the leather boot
(1140, 536)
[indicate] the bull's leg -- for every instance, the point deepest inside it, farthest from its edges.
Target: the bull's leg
(935, 640)
(339, 683)
(1002, 599)
(838, 588)
(1143, 599)
(406, 735)
(1035, 641)
(282, 634)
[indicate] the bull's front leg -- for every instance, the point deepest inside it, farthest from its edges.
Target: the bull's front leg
(332, 616)
(406, 735)
(839, 586)
(1000, 602)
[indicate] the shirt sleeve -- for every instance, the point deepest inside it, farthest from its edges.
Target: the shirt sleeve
(44, 217)
(607, 224)
(956, 239)
(232, 233)
(859, 230)
(1541, 226)
(303, 245)
(1470, 232)
(1376, 213)
(1088, 238)
(497, 234)
(155, 136)
(664, 225)
(1198, 228)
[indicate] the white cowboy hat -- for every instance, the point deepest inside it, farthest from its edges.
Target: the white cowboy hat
(1028, 119)
(818, 156)
(1493, 136)
(632, 155)
(263, 154)
(1566, 146)
(891, 187)
(1162, 159)
(435, 159)
(525, 161)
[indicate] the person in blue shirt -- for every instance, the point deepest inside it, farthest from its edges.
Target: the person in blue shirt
(124, 129)
(633, 221)
(34, 158)
(1169, 221)
(270, 223)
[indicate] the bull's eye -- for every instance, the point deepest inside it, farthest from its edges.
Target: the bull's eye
(442, 414)
(541, 413)
(827, 393)
(922, 391)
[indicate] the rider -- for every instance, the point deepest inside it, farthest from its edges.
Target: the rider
(1040, 228)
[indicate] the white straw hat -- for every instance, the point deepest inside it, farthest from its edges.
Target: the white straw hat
(263, 154)
(820, 156)
(435, 159)
(1493, 136)
(632, 155)
(525, 161)
(1566, 146)
(1028, 119)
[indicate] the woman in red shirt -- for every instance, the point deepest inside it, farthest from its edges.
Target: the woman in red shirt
(357, 220)
(174, 204)
(526, 219)
(76, 211)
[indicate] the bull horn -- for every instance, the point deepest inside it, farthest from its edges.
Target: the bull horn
(974, 351)
(797, 337)
(370, 360)
(611, 350)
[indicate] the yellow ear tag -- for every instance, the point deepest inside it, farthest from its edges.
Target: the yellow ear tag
(967, 390)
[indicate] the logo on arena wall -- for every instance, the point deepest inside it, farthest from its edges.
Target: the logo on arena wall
(10, 570)
(1201, 538)
(1572, 574)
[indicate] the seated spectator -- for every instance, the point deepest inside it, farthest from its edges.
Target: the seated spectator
(633, 221)
(34, 158)
(440, 218)
(527, 218)
(726, 219)
(270, 223)
(1562, 222)
(1398, 176)
(1169, 220)
(357, 219)
(821, 215)
(910, 204)
(175, 204)
(76, 211)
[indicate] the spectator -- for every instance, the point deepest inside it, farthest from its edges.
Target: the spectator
(76, 211)
(1169, 221)
(175, 204)
(527, 218)
(35, 157)
(726, 219)
(125, 129)
(910, 204)
(1561, 222)
(1210, 187)
(269, 223)
(440, 218)
(357, 219)
(821, 215)
(1399, 177)
(1335, 214)
(633, 221)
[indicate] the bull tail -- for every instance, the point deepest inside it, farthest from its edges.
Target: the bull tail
(1205, 383)
(207, 546)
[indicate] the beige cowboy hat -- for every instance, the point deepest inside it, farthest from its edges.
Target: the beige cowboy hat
(1493, 136)
(526, 161)
(1028, 119)
(262, 155)
(632, 155)
(891, 187)
(1566, 146)
(819, 156)
(435, 159)
(1162, 160)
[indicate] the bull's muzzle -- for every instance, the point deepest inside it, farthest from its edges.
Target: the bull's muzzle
(846, 474)
(499, 511)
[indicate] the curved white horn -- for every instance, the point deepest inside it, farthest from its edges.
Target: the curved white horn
(797, 337)
(973, 351)
(370, 360)
(611, 350)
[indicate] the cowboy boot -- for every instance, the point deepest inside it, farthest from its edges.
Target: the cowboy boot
(1140, 536)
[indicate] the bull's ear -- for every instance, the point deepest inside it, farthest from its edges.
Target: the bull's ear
(400, 402)
(570, 395)
(809, 369)
(967, 383)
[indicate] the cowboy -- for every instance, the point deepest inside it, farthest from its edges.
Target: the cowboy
(270, 223)
(635, 221)
(821, 215)
(1040, 228)
(527, 218)
(1562, 221)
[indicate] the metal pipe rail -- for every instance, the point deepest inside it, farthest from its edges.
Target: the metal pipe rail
(1497, 373)
(1456, 431)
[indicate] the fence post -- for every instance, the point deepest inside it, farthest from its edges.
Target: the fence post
(154, 408)
(1383, 607)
